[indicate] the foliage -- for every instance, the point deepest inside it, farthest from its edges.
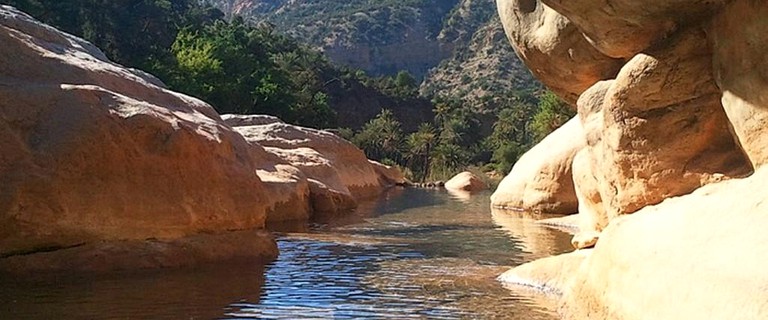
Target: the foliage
(551, 114)
(381, 138)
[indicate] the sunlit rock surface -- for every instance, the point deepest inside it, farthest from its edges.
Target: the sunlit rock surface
(96, 152)
(541, 181)
(466, 181)
(665, 184)
(92, 151)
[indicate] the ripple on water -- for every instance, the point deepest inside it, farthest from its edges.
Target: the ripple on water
(414, 255)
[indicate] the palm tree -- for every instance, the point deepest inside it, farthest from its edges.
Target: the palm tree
(420, 144)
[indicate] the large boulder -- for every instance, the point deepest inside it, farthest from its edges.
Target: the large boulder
(553, 48)
(541, 181)
(631, 150)
(623, 28)
(669, 140)
(93, 151)
(337, 172)
(466, 181)
(739, 37)
(705, 252)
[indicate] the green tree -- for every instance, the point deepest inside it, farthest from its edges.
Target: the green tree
(419, 150)
(552, 113)
(381, 138)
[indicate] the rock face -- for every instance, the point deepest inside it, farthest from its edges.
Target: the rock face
(553, 48)
(541, 181)
(338, 172)
(92, 151)
(704, 251)
(739, 41)
(466, 181)
(675, 141)
(96, 152)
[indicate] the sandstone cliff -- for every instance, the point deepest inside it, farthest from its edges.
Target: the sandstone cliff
(96, 152)
(671, 106)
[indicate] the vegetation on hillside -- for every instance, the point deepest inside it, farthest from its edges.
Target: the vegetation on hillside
(244, 68)
(235, 66)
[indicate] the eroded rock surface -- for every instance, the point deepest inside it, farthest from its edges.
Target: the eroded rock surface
(92, 151)
(99, 160)
(553, 48)
(675, 141)
(541, 181)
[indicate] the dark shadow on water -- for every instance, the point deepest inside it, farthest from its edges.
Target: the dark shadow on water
(200, 293)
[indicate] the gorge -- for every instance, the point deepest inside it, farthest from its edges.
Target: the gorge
(106, 172)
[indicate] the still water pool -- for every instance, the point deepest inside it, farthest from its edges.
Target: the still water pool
(411, 254)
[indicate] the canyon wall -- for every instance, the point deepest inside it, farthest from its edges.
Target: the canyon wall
(672, 102)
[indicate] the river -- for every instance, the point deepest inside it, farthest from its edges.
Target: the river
(413, 253)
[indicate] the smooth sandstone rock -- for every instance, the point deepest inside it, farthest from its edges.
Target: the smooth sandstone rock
(551, 275)
(739, 37)
(389, 175)
(541, 181)
(553, 48)
(623, 28)
(664, 131)
(704, 251)
(466, 181)
(92, 151)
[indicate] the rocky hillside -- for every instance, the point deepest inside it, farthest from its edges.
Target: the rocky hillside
(663, 163)
(380, 37)
(482, 72)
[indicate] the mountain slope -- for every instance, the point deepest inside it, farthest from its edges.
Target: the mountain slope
(380, 37)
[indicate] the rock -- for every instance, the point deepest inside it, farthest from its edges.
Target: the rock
(550, 275)
(739, 37)
(623, 28)
(541, 181)
(289, 191)
(554, 49)
(466, 181)
(94, 152)
(242, 120)
(585, 239)
(321, 155)
(656, 96)
(705, 251)
(389, 175)
(337, 172)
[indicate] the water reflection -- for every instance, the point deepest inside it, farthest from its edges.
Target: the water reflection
(409, 254)
(535, 240)
(202, 293)
(422, 254)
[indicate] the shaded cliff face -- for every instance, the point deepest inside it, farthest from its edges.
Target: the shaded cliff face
(380, 37)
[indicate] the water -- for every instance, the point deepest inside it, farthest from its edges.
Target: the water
(412, 254)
